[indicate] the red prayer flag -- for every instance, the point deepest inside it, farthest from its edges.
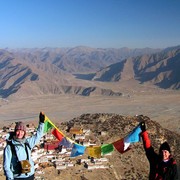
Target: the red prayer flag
(119, 145)
(57, 134)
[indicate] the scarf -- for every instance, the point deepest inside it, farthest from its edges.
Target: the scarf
(22, 141)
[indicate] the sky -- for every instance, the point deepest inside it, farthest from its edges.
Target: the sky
(92, 23)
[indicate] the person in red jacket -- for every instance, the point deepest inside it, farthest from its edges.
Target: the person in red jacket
(162, 164)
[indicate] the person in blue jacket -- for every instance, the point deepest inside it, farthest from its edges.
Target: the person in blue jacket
(19, 148)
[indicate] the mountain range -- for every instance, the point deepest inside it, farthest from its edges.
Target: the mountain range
(161, 69)
(84, 70)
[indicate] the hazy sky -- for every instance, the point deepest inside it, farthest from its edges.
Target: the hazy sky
(93, 23)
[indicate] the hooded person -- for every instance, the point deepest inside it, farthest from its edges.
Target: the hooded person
(162, 164)
(17, 152)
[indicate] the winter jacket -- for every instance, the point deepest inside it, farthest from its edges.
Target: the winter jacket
(159, 170)
(10, 163)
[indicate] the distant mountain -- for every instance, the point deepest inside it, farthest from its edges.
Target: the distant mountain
(29, 77)
(25, 72)
(161, 69)
(79, 59)
(42, 78)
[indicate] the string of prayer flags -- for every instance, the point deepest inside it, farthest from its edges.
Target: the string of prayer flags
(107, 148)
(123, 144)
(94, 151)
(49, 125)
(77, 150)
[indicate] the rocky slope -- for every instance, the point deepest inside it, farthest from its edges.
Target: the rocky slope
(28, 77)
(107, 128)
(29, 72)
(160, 69)
(132, 164)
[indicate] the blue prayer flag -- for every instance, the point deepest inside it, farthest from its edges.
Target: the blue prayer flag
(134, 136)
(77, 150)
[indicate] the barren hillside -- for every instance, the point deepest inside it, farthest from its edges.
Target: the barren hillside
(160, 69)
(130, 165)
(27, 72)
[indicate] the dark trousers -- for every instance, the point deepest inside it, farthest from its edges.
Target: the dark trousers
(28, 178)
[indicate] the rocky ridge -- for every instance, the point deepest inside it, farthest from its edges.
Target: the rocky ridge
(132, 164)
(107, 128)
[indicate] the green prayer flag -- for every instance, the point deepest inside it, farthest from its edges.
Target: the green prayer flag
(47, 126)
(107, 148)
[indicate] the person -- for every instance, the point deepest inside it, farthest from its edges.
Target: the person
(162, 164)
(17, 161)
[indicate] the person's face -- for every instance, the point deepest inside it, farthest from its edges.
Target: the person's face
(20, 134)
(165, 154)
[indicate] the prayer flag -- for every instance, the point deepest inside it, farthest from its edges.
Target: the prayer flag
(77, 150)
(65, 142)
(107, 148)
(119, 145)
(94, 151)
(47, 126)
(134, 136)
(123, 144)
(57, 134)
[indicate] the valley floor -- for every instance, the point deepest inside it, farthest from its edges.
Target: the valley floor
(160, 106)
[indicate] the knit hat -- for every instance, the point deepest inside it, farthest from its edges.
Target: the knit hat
(20, 126)
(165, 146)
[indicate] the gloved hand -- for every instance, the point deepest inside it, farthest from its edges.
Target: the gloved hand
(41, 117)
(143, 126)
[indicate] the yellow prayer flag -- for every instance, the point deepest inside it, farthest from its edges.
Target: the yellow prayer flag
(94, 151)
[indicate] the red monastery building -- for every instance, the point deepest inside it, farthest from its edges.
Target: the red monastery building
(51, 145)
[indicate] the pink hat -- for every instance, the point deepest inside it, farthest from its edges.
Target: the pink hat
(20, 126)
